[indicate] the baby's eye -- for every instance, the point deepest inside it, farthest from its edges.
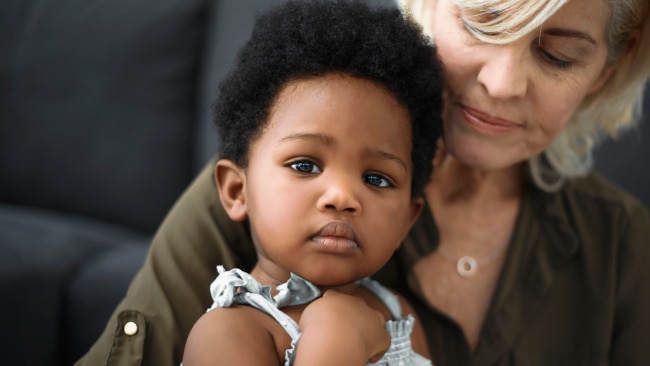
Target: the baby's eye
(305, 167)
(377, 180)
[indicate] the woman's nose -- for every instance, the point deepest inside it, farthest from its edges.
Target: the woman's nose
(504, 73)
(340, 194)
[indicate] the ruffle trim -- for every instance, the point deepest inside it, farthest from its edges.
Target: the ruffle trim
(400, 352)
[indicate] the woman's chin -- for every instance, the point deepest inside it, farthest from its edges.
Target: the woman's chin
(482, 156)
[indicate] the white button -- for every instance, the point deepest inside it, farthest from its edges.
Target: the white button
(130, 328)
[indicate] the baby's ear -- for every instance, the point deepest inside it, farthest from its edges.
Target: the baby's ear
(417, 204)
(231, 183)
(415, 208)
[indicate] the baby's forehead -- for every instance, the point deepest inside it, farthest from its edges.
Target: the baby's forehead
(326, 82)
(340, 87)
(310, 104)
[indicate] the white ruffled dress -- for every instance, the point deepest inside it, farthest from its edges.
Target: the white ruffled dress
(238, 287)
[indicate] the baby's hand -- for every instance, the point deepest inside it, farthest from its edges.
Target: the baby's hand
(341, 329)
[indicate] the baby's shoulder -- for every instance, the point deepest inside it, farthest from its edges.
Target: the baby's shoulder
(222, 333)
(386, 300)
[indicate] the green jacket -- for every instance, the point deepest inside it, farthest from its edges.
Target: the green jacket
(575, 289)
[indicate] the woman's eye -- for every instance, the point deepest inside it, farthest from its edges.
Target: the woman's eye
(377, 180)
(554, 61)
(305, 167)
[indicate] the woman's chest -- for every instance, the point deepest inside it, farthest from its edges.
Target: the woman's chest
(465, 300)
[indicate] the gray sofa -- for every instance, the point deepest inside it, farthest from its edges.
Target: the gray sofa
(104, 120)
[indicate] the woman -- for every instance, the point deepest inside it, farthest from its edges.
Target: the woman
(518, 86)
(521, 257)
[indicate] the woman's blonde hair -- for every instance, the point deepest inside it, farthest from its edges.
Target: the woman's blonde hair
(615, 108)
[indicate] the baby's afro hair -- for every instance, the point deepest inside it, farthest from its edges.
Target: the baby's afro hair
(307, 39)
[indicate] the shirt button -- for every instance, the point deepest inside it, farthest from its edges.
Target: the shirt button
(130, 328)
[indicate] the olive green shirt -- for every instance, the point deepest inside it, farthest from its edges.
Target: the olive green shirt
(575, 288)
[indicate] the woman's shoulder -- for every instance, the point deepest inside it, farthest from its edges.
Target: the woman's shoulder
(597, 192)
(594, 219)
(595, 208)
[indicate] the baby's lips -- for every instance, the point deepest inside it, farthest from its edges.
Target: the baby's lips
(338, 229)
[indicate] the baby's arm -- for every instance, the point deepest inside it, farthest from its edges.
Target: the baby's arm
(418, 338)
(231, 336)
(341, 329)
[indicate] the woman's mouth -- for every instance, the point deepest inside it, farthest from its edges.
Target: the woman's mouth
(487, 124)
(336, 238)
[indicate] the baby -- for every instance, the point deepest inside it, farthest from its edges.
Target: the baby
(328, 125)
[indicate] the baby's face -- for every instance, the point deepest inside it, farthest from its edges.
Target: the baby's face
(328, 184)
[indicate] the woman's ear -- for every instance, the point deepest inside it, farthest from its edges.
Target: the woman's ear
(231, 183)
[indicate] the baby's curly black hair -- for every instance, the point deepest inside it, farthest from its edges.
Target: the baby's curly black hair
(306, 39)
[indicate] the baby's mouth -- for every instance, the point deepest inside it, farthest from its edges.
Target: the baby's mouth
(337, 237)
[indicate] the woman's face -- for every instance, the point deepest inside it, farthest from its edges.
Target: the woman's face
(506, 103)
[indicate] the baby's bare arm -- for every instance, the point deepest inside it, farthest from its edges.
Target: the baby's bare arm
(341, 329)
(231, 336)
(418, 337)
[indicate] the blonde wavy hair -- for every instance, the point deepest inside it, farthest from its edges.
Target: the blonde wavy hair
(614, 109)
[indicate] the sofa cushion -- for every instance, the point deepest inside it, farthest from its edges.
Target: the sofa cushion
(39, 252)
(97, 105)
